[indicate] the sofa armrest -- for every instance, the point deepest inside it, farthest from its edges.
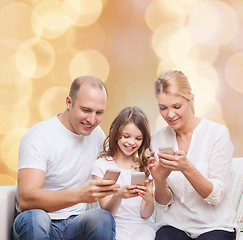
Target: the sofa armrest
(7, 213)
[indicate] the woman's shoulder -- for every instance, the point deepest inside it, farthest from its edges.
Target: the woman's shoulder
(162, 131)
(213, 125)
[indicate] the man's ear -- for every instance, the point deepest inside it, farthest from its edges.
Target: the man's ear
(68, 102)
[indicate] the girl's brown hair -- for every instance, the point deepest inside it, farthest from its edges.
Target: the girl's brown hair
(138, 118)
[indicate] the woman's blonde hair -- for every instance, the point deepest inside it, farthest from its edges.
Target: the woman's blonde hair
(173, 82)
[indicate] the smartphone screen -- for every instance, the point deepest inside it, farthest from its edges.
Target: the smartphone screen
(112, 174)
(138, 178)
(167, 150)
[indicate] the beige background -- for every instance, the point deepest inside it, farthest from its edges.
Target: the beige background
(45, 44)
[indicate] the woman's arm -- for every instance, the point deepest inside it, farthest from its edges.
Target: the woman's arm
(161, 193)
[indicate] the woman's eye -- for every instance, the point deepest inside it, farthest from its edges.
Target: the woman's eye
(162, 108)
(177, 107)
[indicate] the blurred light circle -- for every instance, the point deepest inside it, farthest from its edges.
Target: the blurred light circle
(35, 58)
(233, 72)
(157, 12)
(186, 65)
(85, 38)
(10, 146)
(53, 101)
(167, 44)
(204, 91)
(14, 117)
(7, 180)
(11, 75)
(210, 28)
(15, 21)
(13, 95)
(180, 2)
(48, 19)
(89, 62)
(82, 12)
(174, 5)
(180, 44)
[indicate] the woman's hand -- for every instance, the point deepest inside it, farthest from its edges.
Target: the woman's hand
(158, 170)
(177, 162)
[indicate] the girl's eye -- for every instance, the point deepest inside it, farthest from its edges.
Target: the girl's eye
(125, 136)
(139, 139)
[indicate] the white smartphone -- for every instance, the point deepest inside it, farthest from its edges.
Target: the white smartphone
(138, 178)
(167, 150)
(112, 174)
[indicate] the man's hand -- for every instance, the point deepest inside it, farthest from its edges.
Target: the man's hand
(94, 190)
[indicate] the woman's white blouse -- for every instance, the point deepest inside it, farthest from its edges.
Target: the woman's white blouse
(211, 152)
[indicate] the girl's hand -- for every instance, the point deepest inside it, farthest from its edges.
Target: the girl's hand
(145, 191)
(158, 171)
(127, 191)
(177, 162)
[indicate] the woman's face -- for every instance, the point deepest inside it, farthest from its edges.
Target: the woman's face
(175, 110)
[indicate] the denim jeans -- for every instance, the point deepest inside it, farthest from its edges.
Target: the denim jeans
(171, 233)
(95, 224)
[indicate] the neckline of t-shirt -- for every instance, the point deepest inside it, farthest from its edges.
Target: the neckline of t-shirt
(122, 169)
(72, 134)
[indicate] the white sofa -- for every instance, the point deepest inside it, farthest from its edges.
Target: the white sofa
(8, 201)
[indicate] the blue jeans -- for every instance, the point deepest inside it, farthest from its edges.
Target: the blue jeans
(171, 233)
(95, 224)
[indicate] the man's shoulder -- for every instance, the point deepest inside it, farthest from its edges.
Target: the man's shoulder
(41, 128)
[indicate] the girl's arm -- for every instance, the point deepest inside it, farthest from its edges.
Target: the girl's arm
(147, 204)
(112, 203)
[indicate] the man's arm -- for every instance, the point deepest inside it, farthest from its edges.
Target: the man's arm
(31, 194)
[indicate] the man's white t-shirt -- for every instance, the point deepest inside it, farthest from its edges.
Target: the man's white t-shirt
(65, 157)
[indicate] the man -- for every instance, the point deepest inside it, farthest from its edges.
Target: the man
(55, 161)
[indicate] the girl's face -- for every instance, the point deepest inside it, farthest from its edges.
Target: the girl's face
(131, 139)
(175, 110)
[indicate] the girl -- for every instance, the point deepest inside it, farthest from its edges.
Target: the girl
(124, 149)
(192, 183)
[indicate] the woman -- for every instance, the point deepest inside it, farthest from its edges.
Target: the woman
(192, 184)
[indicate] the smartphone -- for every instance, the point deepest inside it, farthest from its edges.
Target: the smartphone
(138, 178)
(167, 150)
(112, 174)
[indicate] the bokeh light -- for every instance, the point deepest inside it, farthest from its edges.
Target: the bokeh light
(35, 58)
(89, 62)
(171, 41)
(234, 71)
(48, 106)
(157, 12)
(9, 148)
(218, 17)
(45, 44)
(49, 20)
(82, 12)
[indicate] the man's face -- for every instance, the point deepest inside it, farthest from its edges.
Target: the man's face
(87, 111)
